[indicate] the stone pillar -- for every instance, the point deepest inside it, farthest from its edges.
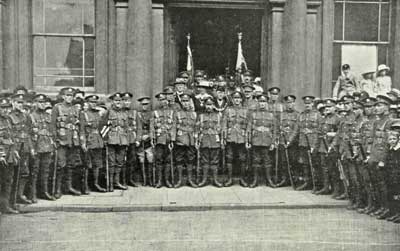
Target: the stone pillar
(312, 87)
(139, 57)
(275, 43)
(293, 67)
(328, 9)
(395, 44)
(121, 46)
(158, 47)
(2, 6)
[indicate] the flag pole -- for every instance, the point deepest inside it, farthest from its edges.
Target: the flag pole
(189, 63)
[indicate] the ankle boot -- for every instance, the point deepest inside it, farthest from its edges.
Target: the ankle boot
(204, 180)
(283, 181)
(33, 186)
(215, 176)
(44, 183)
(303, 186)
(269, 182)
(70, 189)
(85, 187)
(168, 177)
(111, 181)
(58, 192)
(191, 179)
(336, 190)
(123, 174)
(229, 182)
(325, 188)
(243, 175)
(179, 181)
(21, 198)
(117, 184)
(7, 208)
(96, 181)
(159, 177)
(255, 177)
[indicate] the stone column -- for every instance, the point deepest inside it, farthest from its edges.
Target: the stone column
(158, 47)
(2, 6)
(328, 9)
(395, 44)
(293, 67)
(275, 42)
(139, 57)
(121, 46)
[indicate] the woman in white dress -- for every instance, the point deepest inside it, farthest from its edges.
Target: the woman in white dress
(383, 80)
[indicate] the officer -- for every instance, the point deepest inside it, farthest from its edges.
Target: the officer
(169, 93)
(199, 75)
(145, 153)
(184, 77)
(234, 127)
(221, 100)
(179, 90)
(39, 124)
(131, 161)
(209, 141)
(262, 134)
(65, 128)
(288, 138)
(275, 105)
(8, 158)
(248, 77)
(184, 139)
(161, 123)
(23, 144)
(329, 126)
(117, 140)
(308, 125)
(249, 102)
(91, 142)
(203, 88)
(377, 155)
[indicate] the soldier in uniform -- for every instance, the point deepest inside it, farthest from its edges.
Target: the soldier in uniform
(184, 140)
(209, 141)
(203, 87)
(23, 144)
(170, 95)
(8, 158)
(145, 152)
(131, 161)
(65, 129)
(234, 126)
(39, 124)
(262, 129)
(91, 142)
(160, 130)
(221, 100)
(288, 128)
(249, 102)
(329, 126)
(117, 140)
(307, 130)
(275, 105)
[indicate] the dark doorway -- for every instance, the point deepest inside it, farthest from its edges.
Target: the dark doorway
(214, 37)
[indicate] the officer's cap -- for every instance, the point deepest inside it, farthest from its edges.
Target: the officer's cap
(160, 96)
(358, 105)
(248, 73)
(237, 94)
(20, 90)
(382, 99)
(41, 98)
(77, 102)
(144, 100)
(5, 94)
(364, 95)
(263, 97)
(395, 125)
(289, 98)
(368, 102)
(205, 84)
(168, 90)
(78, 91)
(183, 74)
(248, 86)
(185, 96)
(179, 82)
(92, 98)
(209, 101)
(274, 90)
(320, 106)
(342, 110)
(5, 102)
(308, 99)
(220, 89)
(116, 96)
(345, 67)
(127, 95)
(199, 73)
(329, 102)
(220, 78)
(18, 97)
(67, 91)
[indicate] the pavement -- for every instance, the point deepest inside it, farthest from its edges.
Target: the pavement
(187, 199)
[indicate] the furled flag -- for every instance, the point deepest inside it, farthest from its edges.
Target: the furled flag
(189, 63)
(240, 61)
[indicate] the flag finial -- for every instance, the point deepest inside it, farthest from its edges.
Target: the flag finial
(240, 36)
(188, 36)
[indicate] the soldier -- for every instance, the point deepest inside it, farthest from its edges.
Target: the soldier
(170, 95)
(184, 139)
(8, 158)
(329, 126)
(275, 105)
(248, 77)
(262, 129)
(160, 130)
(91, 142)
(117, 140)
(143, 136)
(131, 161)
(234, 126)
(288, 128)
(249, 102)
(203, 87)
(65, 130)
(308, 125)
(377, 155)
(221, 101)
(23, 144)
(209, 141)
(39, 124)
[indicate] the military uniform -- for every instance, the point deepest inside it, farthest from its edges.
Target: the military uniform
(209, 132)
(262, 130)
(249, 101)
(161, 123)
(117, 141)
(92, 142)
(185, 138)
(39, 124)
(65, 128)
(7, 158)
(234, 127)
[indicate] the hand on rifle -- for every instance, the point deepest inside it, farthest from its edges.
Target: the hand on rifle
(33, 152)
(330, 149)
(272, 147)
(171, 145)
(366, 159)
(152, 143)
(311, 150)
(137, 143)
(84, 148)
(223, 143)
(248, 145)
(197, 144)
(381, 164)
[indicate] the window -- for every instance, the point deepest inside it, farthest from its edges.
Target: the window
(361, 25)
(63, 43)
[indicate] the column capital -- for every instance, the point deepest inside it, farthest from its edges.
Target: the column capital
(276, 5)
(121, 3)
(312, 6)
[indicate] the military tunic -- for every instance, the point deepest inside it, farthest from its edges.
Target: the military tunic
(209, 131)
(161, 123)
(143, 135)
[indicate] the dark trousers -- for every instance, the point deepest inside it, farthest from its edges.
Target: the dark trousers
(185, 155)
(6, 182)
(116, 157)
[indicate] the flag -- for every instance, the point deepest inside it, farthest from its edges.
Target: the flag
(189, 63)
(240, 60)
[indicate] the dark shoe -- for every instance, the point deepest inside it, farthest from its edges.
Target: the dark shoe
(323, 191)
(99, 188)
(397, 220)
(70, 189)
(370, 210)
(392, 218)
(191, 179)
(9, 210)
(377, 212)
(243, 183)
(85, 186)
(229, 181)
(180, 173)
(33, 189)
(302, 187)
(23, 200)
(343, 196)
(120, 186)
(384, 215)
(215, 177)
(362, 210)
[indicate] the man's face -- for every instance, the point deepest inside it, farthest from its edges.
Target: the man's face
(163, 102)
(263, 104)
(346, 72)
(186, 104)
(19, 105)
(180, 87)
(274, 96)
(392, 140)
(201, 90)
(329, 110)
(3, 111)
(368, 110)
(185, 79)
(247, 79)
(209, 107)
(68, 98)
(289, 105)
(393, 113)
(117, 103)
(237, 100)
(380, 108)
(198, 78)
(358, 111)
(308, 106)
(248, 92)
(91, 104)
(127, 103)
(220, 95)
(170, 97)
(41, 105)
(78, 107)
(145, 106)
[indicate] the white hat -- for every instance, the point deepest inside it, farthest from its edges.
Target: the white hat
(383, 67)
(258, 88)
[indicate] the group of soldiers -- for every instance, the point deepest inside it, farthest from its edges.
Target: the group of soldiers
(202, 132)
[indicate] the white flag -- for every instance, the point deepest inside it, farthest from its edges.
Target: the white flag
(189, 63)
(240, 61)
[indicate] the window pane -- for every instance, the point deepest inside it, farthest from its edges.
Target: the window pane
(338, 21)
(385, 22)
(38, 16)
(64, 81)
(382, 54)
(89, 82)
(361, 22)
(337, 61)
(89, 57)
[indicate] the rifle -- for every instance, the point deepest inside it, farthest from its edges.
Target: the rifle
(171, 148)
(343, 175)
(53, 184)
(276, 160)
(107, 171)
(144, 164)
(310, 160)
(325, 145)
(198, 160)
(18, 173)
(223, 150)
(287, 160)
(153, 166)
